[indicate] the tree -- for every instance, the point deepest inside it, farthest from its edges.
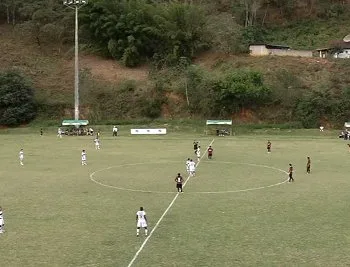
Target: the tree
(17, 104)
(242, 89)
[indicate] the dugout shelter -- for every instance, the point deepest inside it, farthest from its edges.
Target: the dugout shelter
(75, 127)
(219, 127)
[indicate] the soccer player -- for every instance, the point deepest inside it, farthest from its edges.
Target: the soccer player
(195, 146)
(83, 157)
(98, 134)
(192, 168)
(41, 132)
(198, 152)
(59, 133)
(141, 221)
(269, 146)
(188, 165)
(97, 143)
(115, 131)
(290, 172)
(210, 152)
(349, 147)
(179, 180)
(2, 224)
(308, 165)
(21, 156)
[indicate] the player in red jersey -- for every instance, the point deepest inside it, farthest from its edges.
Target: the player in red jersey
(179, 180)
(269, 146)
(210, 152)
(290, 172)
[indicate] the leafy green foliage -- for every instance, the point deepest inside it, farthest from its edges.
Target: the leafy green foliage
(134, 30)
(16, 99)
(240, 89)
(317, 107)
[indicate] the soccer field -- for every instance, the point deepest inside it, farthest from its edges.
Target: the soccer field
(237, 211)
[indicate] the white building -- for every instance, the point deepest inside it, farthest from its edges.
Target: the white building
(277, 50)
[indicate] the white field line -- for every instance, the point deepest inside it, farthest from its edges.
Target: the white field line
(92, 178)
(163, 215)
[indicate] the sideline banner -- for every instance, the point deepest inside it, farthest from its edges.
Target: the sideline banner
(148, 131)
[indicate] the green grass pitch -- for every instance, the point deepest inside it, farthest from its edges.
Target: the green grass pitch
(236, 212)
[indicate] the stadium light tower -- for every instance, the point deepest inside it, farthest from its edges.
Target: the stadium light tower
(76, 4)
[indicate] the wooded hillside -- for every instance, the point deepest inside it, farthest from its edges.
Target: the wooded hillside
(195, 53)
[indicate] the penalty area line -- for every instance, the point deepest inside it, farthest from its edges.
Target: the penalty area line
(164, 213)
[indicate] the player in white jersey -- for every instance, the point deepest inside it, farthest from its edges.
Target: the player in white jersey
(59, 133)
(192, 168)
(1, 221)
(198, 153)
(141, 221)
(188, 165)
(21, 156)
(97, 143)
(83, 157)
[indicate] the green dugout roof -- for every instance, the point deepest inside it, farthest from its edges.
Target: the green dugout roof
(75, 122)
(219, 122)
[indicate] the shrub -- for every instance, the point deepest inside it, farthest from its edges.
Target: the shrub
(17, 103)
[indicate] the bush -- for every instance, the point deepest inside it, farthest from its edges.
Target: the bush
(17, 103)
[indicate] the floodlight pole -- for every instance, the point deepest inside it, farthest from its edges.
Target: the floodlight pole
(76, 4)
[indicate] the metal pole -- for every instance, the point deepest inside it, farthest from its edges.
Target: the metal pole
(76, 70)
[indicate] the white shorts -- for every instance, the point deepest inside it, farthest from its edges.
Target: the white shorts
(83, 159)
(21, 157)
(1, 222)
(192, 169)
(141, 223)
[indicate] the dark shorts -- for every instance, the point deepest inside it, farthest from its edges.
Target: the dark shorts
(290, 175)
(179, 186)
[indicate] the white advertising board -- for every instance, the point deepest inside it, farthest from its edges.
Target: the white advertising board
(148, 131)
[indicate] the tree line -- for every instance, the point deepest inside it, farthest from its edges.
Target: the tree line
(134, 31)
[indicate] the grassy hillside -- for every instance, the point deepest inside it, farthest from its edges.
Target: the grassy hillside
(309, 33)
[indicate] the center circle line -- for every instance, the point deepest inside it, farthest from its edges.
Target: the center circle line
(92, 178)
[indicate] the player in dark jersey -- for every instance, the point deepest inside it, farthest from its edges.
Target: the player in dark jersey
(210, 152)
(179, 180)
(308, 165)
(41, 132)
(290, 172)
(195, 146)
(269, 146)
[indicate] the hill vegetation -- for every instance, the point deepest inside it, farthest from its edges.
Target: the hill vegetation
(190, 59)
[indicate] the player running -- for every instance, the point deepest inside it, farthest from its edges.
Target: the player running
(268, 146)
(188, 165)
(210, 152)
(290, 172)
(198, 153)
(2, 224)
(308, 165)
(195, 146)
(21, 156)
(179, 180)
(141, 221)
(59, 133)
(192, 168)
(97, 143)
(83, 157)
